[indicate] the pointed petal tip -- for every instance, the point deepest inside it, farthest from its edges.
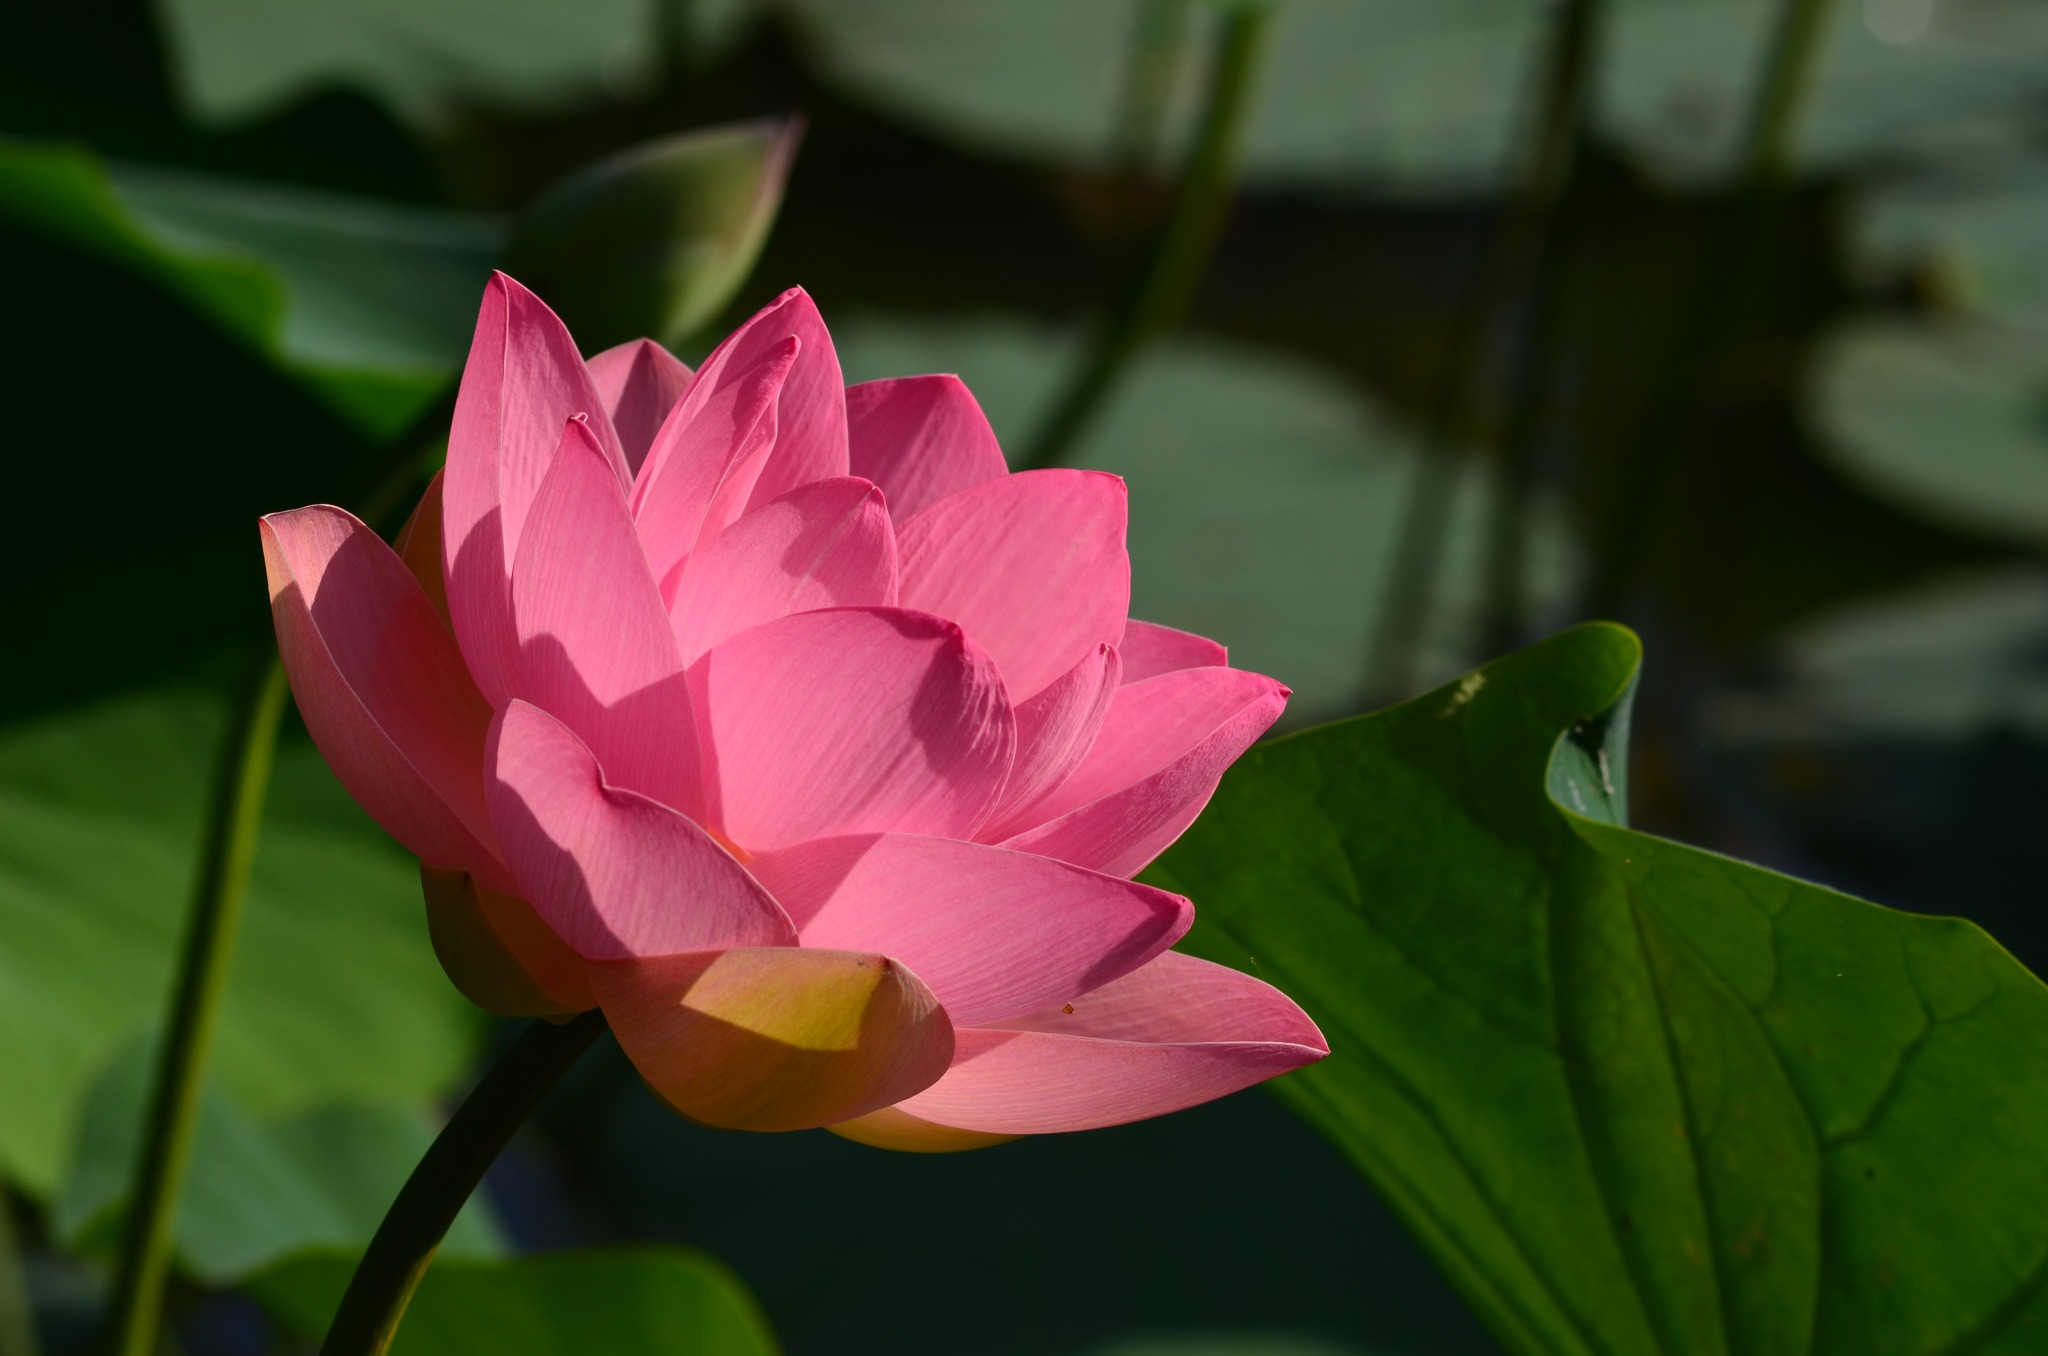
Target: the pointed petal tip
(1178, 1032)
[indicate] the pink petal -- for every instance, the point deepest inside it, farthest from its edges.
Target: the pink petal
(891, 1128)
(595, 646)
(381, 686)
(616, 875)
(1055, 730)
(1032, 565)
(851, 720)
(707, 457)
(810, 416)
(782, 1038)
(523, 380)
(1155, 763)
(639, 383)
(994, 934)
(739, 439)
(921, 439)
(1176, 1033)
(1150, 649)
(499, 953)
(828, 544)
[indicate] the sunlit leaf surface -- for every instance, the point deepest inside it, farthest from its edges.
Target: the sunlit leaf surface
(336, 996)
(651, 1301)
(257, 1192)
(1635, 1097)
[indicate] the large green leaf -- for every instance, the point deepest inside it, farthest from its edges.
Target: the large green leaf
(649, 1301)
(1635, 1097)
(336, 996)
(370, 303)
(257, 1192)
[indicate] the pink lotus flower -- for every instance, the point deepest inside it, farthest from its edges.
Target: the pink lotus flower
(782, 722)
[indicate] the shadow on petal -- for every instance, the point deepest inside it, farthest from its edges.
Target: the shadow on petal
(499, 953)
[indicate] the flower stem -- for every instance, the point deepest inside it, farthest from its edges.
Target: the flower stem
(202, 976)
(17, 1305)
(1503, 277)
(1539, 364)
(1157, 41)
(135, 1311)
(1166, 286)
(1641, 501)
(427, 1204)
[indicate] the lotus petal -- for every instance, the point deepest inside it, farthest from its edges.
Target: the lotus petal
(523, 379)
(850, 720)
(707, 457)
(827, 544)
(614, 874)
(1149, 649)
(1156, 761)
(995, 934)
(921, 439)
(381, 687)
(1178, 1032)
(1032, 566)
(780, 1038)
(499, 953)
(595, 646)
(639, 382)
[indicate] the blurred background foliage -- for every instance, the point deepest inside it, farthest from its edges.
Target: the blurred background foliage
(1496, 336)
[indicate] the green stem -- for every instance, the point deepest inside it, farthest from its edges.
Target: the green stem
(1501, 280)
(1166, 286)
(235, 818)
(404, 1245)
(17, 1306)
(202, 978)
(1787, 88)
(1542, 345)
(1636, 514)
(1157, 40)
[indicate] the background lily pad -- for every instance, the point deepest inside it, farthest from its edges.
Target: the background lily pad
(234, 57)
(1431, 98)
